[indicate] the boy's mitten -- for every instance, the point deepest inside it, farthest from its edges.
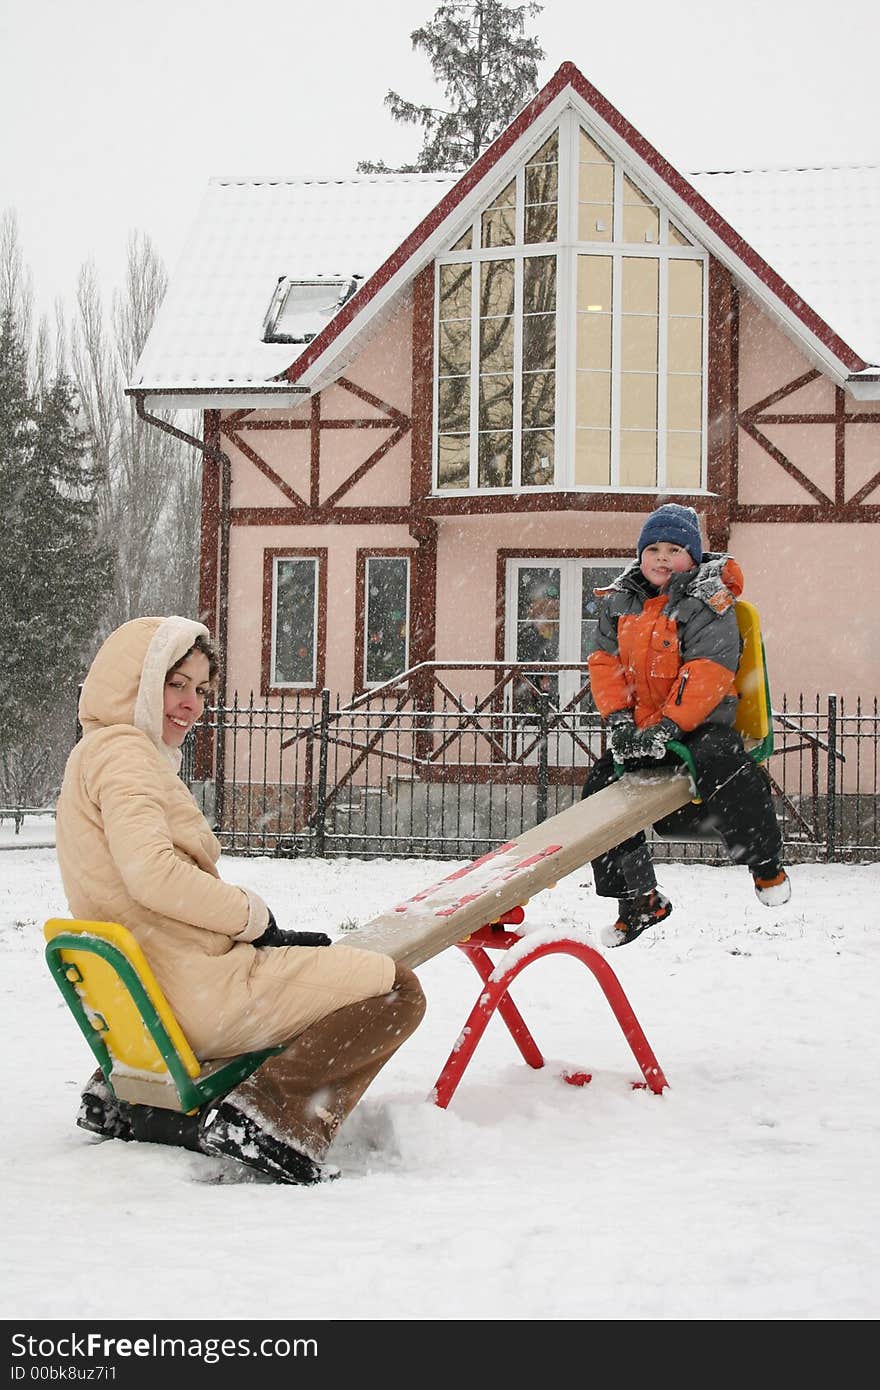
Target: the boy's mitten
(623, 732)
(651, 742)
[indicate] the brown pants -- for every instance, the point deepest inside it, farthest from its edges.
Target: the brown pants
(303, 1094)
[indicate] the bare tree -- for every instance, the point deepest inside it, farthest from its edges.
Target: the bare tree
(150, 501)
(16, 289)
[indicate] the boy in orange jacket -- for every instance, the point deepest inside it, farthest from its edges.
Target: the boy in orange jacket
(667, 651)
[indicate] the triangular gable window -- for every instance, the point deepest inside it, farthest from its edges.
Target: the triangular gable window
(571, 333)
(301, 308)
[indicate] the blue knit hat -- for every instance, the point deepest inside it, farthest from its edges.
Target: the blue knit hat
(675, 524)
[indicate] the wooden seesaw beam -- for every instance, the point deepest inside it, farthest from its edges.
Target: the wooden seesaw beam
(448, 911)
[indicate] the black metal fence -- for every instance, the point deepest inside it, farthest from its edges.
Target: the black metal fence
(416, 769)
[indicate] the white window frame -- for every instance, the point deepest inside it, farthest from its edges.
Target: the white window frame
(571, 570)
(567, 248)
(315, 562)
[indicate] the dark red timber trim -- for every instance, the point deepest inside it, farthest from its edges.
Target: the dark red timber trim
(423, 611)
(422, 384)
(423, 615)
(313, 516)
(785, 463)
(839, 446)
(865, 491)
(299, 503)
(761, 407)
(399, 417)
(796, 514)
(209, 566)
(315, 454)
(316, 552)
(568, 75)
(394, 420)
(836, 508)
(210, 522)
(722, 438)
(552, 502)
(370, 462)
(423, 625)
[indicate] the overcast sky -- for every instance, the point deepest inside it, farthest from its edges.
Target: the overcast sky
(115, 113)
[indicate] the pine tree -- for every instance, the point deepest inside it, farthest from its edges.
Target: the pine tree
(54, 576)
(488, 69)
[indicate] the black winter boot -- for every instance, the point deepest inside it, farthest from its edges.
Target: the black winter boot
(636, 915)
(152, 1125)
(227, 1130)
(101, 1113)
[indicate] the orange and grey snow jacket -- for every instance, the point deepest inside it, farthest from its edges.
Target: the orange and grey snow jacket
(670, 654)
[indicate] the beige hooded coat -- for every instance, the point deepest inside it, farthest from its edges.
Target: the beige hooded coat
(134, 848)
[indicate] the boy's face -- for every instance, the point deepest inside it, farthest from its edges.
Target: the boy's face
(661, 560)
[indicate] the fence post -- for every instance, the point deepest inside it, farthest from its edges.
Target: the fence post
(321, 799)
(543, 778)
(220, 757)
(831, 783)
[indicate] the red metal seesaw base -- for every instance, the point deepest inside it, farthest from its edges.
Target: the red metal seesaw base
(495, 996)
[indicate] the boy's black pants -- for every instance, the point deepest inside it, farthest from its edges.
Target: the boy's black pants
(736, 806)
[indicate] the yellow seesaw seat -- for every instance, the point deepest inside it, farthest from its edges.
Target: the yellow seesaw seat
(754, 716)
(128, 1023)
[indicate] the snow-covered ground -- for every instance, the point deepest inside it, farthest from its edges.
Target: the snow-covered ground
(747, 1191)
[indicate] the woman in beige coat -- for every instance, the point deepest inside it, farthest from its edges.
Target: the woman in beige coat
(133, 847)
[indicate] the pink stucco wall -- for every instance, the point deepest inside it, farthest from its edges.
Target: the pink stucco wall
(813, 582)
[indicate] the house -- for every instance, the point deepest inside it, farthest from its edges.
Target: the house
(437, 408)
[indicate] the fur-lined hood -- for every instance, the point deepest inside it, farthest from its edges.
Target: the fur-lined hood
(126, 680)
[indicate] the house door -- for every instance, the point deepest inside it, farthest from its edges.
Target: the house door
(551, 615)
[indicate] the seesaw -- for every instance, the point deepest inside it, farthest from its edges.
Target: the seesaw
(484, 890)
(137, 1041)
(112, 993)
(472, 907)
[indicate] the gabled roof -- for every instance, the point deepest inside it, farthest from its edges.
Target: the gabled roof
(820, 231)
(248, 233)
(804, 242)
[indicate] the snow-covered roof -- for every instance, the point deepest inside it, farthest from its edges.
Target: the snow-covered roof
(820, 230)
(249, 232)
(806, 242)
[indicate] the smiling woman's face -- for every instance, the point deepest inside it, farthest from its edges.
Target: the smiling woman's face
(187, 688)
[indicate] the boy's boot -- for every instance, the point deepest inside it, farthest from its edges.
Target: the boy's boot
(636, 914)
(772, 884)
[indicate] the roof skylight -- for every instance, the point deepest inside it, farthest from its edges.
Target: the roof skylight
(299, 309)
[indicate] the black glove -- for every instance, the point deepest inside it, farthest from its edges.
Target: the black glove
(623, 731)
(302, 938)
(274, 936)
(651, 742)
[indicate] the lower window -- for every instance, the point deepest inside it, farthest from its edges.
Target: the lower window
(552, 614)
(385, 618)
(295, 583)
